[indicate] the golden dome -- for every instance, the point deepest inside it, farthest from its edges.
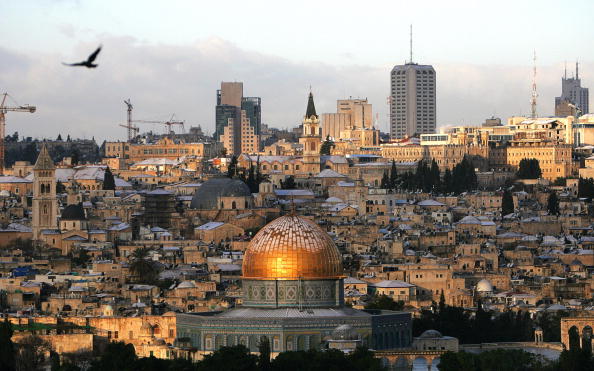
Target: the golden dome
(289, 248)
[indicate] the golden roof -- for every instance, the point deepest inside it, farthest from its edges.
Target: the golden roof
(291, 247)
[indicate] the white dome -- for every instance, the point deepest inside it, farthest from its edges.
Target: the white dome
(186, 285)
(484, 285)
(431, 334)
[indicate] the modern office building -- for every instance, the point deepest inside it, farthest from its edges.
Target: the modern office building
(238, 119)
(412, 100)
(350, 114)
(573, 97)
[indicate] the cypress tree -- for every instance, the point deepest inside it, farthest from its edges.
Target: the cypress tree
(108, 180)
(385, 184)
(507, 203)
(393, 176)
(553, 204)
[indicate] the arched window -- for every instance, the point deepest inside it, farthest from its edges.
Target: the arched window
(233, 205)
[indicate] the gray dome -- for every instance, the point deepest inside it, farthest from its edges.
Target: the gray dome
(207, 194)
(73, 212)
(345, 332)
(431, 334)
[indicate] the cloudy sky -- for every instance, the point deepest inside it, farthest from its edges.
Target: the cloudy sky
(169, 57)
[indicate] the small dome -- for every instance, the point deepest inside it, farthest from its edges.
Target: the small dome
(186, 285)
(206, 197)
(73, 212)
(345, 332)
(431, 334)
(484, 285)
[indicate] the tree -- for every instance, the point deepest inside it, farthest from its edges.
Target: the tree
(7, 360)
(435, 176)
(327, 145)
(384, 302)
(264, 357)
(142, 269)
(108, 180)
(586, 188)
(59, 138)
(529, 168)
(232, 168)
(235, 358)
(446, 185)
(289, 183)
(30, 353)
(385, 183)
(553, 203)
(507, 203)
(117, 356)
(393, 176)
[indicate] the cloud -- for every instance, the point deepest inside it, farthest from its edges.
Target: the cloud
(165, 79)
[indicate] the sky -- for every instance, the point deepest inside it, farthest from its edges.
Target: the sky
(169, 57)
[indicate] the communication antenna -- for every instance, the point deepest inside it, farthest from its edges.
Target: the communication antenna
(411, 44)
(534, 93)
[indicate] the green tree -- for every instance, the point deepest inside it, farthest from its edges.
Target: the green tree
(446, 185)
(529, 168)
(30, 354)
(384, 302)
(385, 183)
(264, 357)
(393, 176)
(507, 203)
(327, 145)
(232, 168)
(553, 203)
(289, 183)
(586, 188)
(235, 358)
(117, 356)
(7, 360)
(435, 176)
(108, 180)
(142, 269)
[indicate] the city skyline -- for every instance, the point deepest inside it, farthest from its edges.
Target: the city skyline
(135, 63)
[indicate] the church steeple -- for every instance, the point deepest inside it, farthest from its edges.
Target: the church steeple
(311, 108)
(44, 160)
(311, 139)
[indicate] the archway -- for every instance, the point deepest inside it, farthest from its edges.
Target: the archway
(401, 364)
(420, 363)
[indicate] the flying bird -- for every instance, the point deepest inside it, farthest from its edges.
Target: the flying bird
(89, 62)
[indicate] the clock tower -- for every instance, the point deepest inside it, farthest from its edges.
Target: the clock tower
(311, 139)
(45, 204)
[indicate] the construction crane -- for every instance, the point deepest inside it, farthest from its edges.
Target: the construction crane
(169, 124)
(132, 130)
(3, 110)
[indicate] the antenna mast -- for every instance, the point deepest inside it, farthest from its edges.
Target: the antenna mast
(534, 93)
(411, 50)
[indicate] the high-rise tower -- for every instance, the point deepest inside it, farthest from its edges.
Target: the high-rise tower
(311, 139)
(412, 99)
(238, 119)
(572, 94)
(45, 204)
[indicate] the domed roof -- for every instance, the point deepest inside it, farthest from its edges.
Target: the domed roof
(431, 334)
(73, 212)
(291, 247)
(484, 285)
(345, 332)
(186, 285)
(207, 194)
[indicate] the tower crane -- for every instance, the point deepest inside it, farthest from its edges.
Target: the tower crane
(133, 129)
(3, 110)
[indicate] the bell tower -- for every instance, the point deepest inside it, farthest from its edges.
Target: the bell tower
(45, 204)
(311, 139)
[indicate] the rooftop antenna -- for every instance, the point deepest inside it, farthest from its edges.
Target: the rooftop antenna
(565, 73)
(534, 93)
(411, 49)
(577, 75)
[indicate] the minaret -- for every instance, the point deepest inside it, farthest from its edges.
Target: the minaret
(45, 205)
(311, 139)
